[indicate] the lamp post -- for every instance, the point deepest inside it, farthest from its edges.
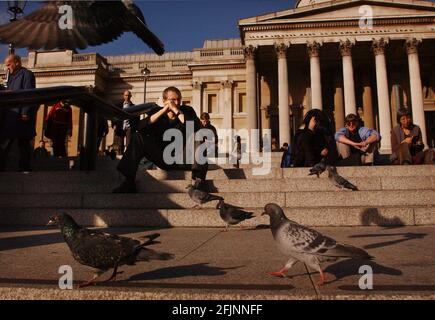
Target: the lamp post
(15, 8)
(146, 73)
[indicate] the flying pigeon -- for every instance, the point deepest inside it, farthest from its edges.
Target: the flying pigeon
(306, 245)
(200, 196)
(318, 168)
(232, 215)
(92, 23)
(338, 180)
(103, 251)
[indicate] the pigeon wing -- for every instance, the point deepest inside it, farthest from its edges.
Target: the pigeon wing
(101, 250)
(94, 23)
(306, 240)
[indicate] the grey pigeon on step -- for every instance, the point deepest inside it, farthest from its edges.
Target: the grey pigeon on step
(306, 245)
(104, 251)
(232, 215)
(318, 168)
(200, 196)
(338, 180)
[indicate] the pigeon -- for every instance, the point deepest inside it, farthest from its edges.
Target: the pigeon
(338, 180)
(103, 251)
(200, 196)
(318, 168)
(93, 23)
(306, 245)
(232, 215)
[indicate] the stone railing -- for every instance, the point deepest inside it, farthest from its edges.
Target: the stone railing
(217, 54)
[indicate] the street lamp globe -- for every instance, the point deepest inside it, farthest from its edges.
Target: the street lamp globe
(146, 72)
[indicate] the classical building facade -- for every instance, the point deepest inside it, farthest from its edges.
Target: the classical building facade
(365, 57)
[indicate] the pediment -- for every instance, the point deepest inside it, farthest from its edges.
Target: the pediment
(346, 10)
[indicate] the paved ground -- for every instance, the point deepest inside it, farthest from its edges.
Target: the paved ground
(213, 264)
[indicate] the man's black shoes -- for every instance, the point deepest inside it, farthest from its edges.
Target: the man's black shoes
(127, 186)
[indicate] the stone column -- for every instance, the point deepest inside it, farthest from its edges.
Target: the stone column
(384, 111)
(283, 94)
(227, 106)
(416, 88)
(338, 103)
(197, 97)
(348, 82)
(316, 81)
(367, 98)
(251, 87)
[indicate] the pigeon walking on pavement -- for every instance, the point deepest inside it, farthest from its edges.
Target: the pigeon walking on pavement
(104, 251)
(318, 168)
(232, 215)
(306, 245)
(77, 25)
(338, 180)
(200, 196)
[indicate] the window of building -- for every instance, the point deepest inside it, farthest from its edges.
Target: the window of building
(242, 102)
(212, 103)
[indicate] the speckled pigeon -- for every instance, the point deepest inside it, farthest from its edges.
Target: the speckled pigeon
(103, 251)
(200, 196)
(306, 245)
(338, 180)
(232, 215)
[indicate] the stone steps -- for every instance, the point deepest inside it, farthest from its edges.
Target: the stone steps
(389, 195)
(306, 199)
(235, 185)
(209, 217)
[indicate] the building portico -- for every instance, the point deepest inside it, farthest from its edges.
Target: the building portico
(327, 58)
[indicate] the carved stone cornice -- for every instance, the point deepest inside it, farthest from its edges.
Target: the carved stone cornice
(197, 85)
(313, 48)
(345, 47)
(411, 45)
(153, 78)
(227, 84)
(339, 24)
(249, 52)
(218, 66)
(379, 46)
(281, 50)
(64, 73)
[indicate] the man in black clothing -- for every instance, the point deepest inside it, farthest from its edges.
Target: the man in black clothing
(148, 142)
(314, 141)
(212, 146)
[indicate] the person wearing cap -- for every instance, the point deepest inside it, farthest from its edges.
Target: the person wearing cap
(406, 140)
(355, 143)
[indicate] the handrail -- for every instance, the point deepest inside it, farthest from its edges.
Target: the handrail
(82, 97)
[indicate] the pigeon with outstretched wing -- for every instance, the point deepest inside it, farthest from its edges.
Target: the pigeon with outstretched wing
(91, 23)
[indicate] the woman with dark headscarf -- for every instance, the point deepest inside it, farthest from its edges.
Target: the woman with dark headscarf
(406, 140)
(314, 140)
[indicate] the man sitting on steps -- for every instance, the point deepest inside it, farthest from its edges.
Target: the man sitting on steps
(147, 141)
